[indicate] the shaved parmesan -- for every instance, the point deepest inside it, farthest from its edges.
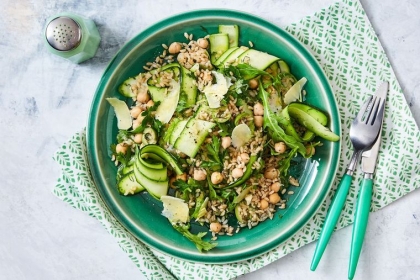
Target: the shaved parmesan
(167, 107)
(241, 134)
(294, 92)
(175, 209)
(122, 113)
(215, 92)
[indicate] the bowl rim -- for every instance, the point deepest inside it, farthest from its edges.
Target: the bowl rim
(97, 175)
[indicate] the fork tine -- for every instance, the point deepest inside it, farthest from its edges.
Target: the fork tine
(381, 112)
(362, 111)
(373, 111)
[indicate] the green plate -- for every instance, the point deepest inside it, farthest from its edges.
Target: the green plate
(141, 214)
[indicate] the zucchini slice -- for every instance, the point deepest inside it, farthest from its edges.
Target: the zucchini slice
(233, 33)
(219, 43)
(157, 175)
(125, 89)
(193, 135)
(177, 131)
(158, 153)
(257, 59)
(157, 93)
(154, 188)
(188, 87)
(128, 185)
(224, 56)
(312, 124)
(233, 56)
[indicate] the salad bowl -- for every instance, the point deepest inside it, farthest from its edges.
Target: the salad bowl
(141, 214)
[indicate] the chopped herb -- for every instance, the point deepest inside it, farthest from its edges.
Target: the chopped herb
(213, 150)
(150, 121)
(183, 186)
(195, 238)
(182, 104)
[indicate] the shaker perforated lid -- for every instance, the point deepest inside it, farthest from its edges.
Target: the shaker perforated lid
(63, 33)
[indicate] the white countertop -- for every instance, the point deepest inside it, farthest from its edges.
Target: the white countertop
(44, 100)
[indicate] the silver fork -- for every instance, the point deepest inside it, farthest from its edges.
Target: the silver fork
(363, 133)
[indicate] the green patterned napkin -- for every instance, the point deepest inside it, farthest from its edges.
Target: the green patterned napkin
(345, 44)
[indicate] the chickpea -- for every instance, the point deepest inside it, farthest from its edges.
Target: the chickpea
(263, 204)
(181, 58)
(143, 97)
(216, 178)
(244, 157)
(258, 120)
(199, 175)
(258, 109)
(237, 172)
(275, 187)
(271, 173)
(274, 198)
(182, 177)
(253, 83)
(137, 122)
(203, 43)
(280, 147)
(310, 150)
(150, 103)
(171, 182)
(215, 227)
(174, 48)
(226, 141)
(135, 112)
(138, 138)
(121, 148)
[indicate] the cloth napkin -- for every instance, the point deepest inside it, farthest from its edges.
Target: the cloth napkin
(345, 44)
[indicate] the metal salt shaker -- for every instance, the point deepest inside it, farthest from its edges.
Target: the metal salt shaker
(72, 37)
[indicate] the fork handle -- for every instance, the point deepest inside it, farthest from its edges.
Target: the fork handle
(360, 224)
(331, 219)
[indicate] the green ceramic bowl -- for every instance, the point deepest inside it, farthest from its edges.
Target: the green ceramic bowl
(141, 214)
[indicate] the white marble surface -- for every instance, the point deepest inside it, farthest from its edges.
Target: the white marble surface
(45, 99)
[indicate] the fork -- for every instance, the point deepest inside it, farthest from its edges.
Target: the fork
(363, 132)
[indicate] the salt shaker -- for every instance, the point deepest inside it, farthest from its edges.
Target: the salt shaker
(72, 37)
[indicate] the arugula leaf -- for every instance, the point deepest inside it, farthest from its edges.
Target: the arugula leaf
(276, 132)
(248, 72)
(195, 238)
(284, 164)
(244, 71)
